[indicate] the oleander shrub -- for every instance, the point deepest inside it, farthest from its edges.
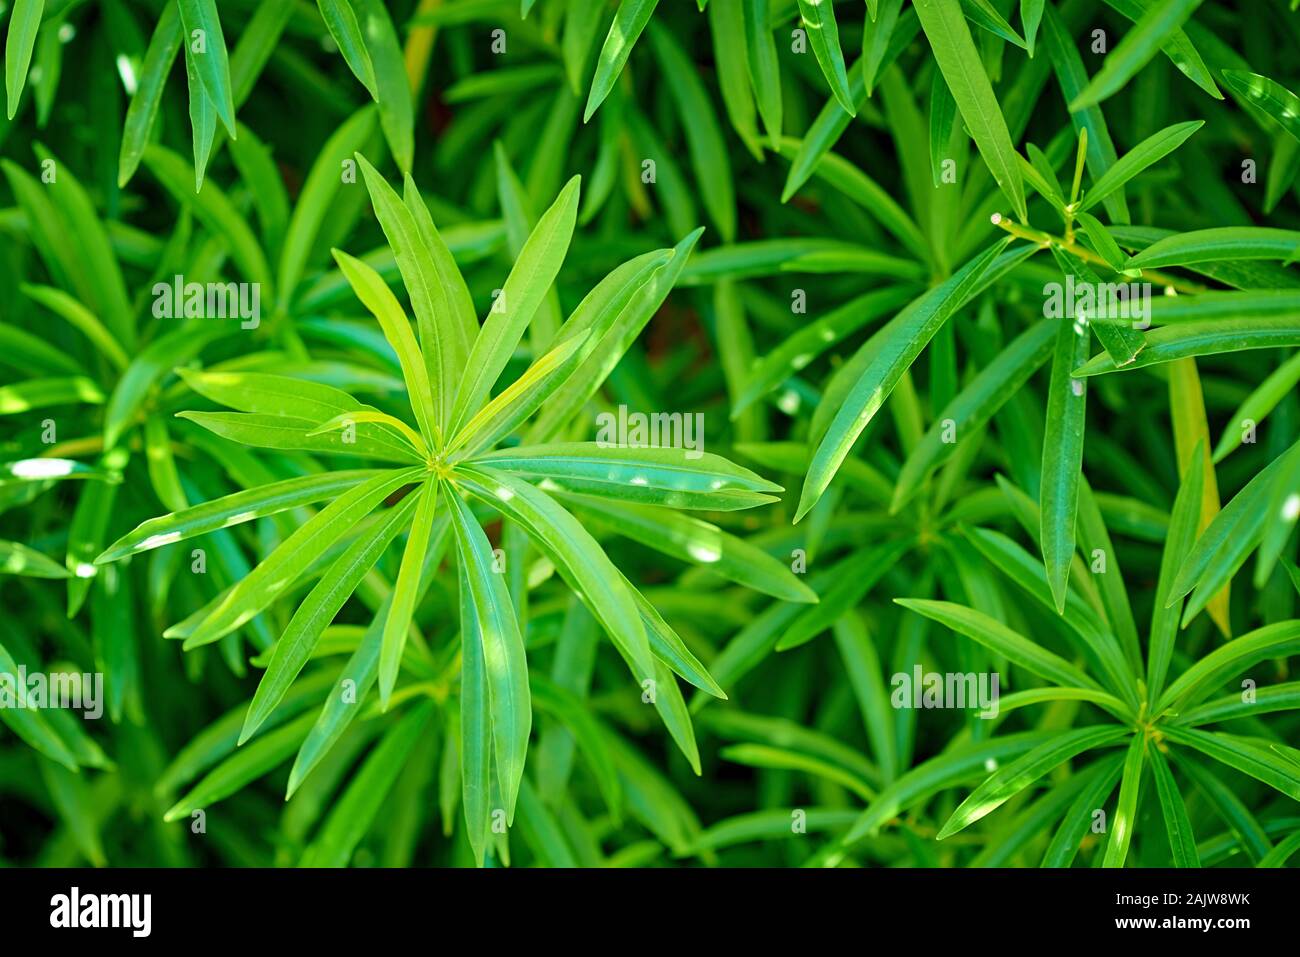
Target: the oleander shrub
(637, 433)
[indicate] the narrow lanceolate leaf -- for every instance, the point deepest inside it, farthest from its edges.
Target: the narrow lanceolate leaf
(494, 626)
(1171, 343)
(1010, 780)
(24, 23)
(1227, 536)
(282, 567)
(415, 260)
(1246, 756)
(294, 648)
(1184, 523)
(824, 36)
(17, 559)
(676, 478)
(1191, 430)
(152, 78)
(513, 308)
(963, 70)
(796, 352)
(899, 343)
(406, 589)
(1062, 456)
(1150, 151)
(379, 299)
(341, 21)
(1178, 827)
(1143, 41)
(1031, 15)
(354, 813)
(392, 89)
(1208, 674)
(943, 113)
(974, 406)
(1220, 243)
(234, 509)
(1263, 400)
(693, 540)
(1271, 97)
(1112, 323)
(709, 158)
(1001, 640)
(764, 68)
(574, 553)
(629, 21)
(1103, 776)
(208, 45)
(1125, 819)
(203, 118)
(318, 198)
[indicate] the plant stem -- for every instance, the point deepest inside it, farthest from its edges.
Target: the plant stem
(1046, 240)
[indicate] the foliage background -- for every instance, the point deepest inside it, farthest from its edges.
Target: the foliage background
(749, 139)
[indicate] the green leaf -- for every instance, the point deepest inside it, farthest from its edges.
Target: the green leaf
(247, 764)
(1001, 640)
(1184, 521)
(703, 137)
(317, 199)
(1210, 245)
(676, 478)
(215, 211)
(1182, 840)
(282, 567)
(818, 17)
(1229, 537)
(152, 78)
(203, 37)
(764, 68)
(488, 618)
(1150, 151)
(574, 553)
(392, 89)
(1031, 14)
(293, 649)
(1152, 30)
(341, 22)
(1256, 406)
(150, 367)
(379, 299)
(693, 540)
(629, 21)
(937, 774)
(1103, 776)
(897, 347)
(355, 811)
(525, 287)
(1124, 821)
(203, 117)
(1007, 782)
(1172, 343)
(974, 407)
(24, 23)
(1277, 640)
(1246, 756)
(1271, 97)
(406, 590)
(846, 593)
(955, 52)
